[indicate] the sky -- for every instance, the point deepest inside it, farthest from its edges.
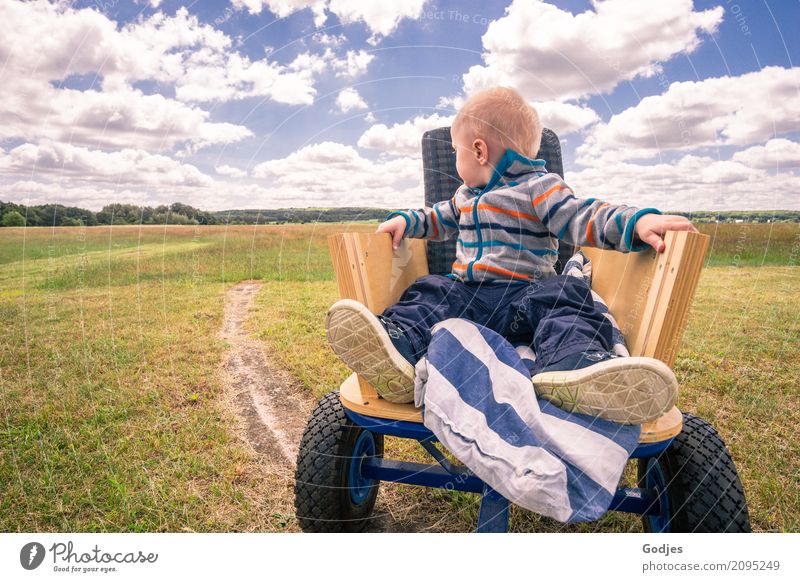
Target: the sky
(228, 104)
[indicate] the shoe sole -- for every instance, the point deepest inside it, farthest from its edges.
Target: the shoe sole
(359, 339)
(624, 390)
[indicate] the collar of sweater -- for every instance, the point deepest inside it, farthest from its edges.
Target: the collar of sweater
(509, 169)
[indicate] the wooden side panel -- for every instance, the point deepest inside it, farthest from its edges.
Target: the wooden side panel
(623, 281)
(681, 272)
(369, 271)
(347, 277)
(650, 294)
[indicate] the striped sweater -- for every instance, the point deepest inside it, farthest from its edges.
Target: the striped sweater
(510, 228)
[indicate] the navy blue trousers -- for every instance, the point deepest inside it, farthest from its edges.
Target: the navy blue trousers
(556, 316)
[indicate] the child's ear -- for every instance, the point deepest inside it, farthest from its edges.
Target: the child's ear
(481, 151)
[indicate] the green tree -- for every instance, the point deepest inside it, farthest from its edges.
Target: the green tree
(13, 218)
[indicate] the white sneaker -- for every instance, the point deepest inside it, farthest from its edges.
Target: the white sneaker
(624, 390)
(360, 340)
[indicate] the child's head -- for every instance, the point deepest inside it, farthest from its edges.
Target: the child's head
(489, 122)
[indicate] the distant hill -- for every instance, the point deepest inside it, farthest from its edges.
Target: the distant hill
(12, 214)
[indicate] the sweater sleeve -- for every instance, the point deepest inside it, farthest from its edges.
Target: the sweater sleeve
(586, 222)
(437, 222)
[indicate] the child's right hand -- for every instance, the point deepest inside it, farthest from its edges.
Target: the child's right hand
(394, 226)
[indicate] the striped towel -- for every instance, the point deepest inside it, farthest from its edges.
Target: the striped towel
(477, 398)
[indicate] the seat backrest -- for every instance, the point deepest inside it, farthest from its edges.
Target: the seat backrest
(441, 181)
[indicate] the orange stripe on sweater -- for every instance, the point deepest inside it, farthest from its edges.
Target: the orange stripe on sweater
(589, 231)
(502, 211)
(499, 270)
(435, 227)
(555, 188)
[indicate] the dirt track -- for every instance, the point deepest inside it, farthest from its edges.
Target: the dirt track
(274, 408)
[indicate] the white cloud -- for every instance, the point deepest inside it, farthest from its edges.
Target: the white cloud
(565, 118)
(402, 139)
(550, 54)
(225, 170)
(200, 61)
(172, 50)
(715, 111)
(283, 8)
(691, 183)
(776, 154)
(382, 18)
(370, 117)
(355, 63)
(334, 174)
(325, 174)
(349, 99)
(333, 40)
(454, 102)
(114, 119)
(127, 166)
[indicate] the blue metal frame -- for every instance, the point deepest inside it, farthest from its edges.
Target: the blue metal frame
(358, 484)
(493, 513)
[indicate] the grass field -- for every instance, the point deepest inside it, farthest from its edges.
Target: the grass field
(113, 416)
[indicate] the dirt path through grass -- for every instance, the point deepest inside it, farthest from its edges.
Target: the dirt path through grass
(274, 408)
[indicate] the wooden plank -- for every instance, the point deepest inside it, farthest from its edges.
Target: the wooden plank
(357, 395)
(681, 272)
(649, 293)
(375, 274)
(623, 280)
(341, 267)
(666, 426)
(673, 314)
(389, 272)
(356, 269)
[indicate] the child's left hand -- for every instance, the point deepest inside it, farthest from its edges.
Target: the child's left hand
(651, 227)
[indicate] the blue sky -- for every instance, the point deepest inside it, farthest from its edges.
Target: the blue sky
(254, 103)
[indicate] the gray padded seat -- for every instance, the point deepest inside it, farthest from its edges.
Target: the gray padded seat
(441, 182)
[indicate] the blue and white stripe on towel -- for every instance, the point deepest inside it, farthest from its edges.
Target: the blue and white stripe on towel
(478, 399)
(476, 394)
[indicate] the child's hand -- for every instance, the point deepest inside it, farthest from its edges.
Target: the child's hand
(651, 227)
(395, 226)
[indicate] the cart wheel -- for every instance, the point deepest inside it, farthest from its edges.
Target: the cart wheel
(703, 490)
(330, 494)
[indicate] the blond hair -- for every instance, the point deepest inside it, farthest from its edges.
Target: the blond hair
(500, 114)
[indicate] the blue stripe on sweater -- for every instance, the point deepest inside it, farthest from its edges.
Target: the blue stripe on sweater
(449, 223)
(554, 208)
(499, 243)
(509, 229)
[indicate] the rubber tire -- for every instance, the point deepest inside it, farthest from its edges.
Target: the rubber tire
(321, 495)
(704, 491)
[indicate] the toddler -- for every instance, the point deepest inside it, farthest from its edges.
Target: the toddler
(508, 216)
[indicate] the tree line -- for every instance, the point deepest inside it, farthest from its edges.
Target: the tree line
(12, 214)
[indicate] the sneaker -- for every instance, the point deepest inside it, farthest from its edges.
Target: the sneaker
(620, 389)
(357, 336)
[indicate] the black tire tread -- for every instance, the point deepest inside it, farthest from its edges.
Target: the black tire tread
(704, 489)
(321, 463)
